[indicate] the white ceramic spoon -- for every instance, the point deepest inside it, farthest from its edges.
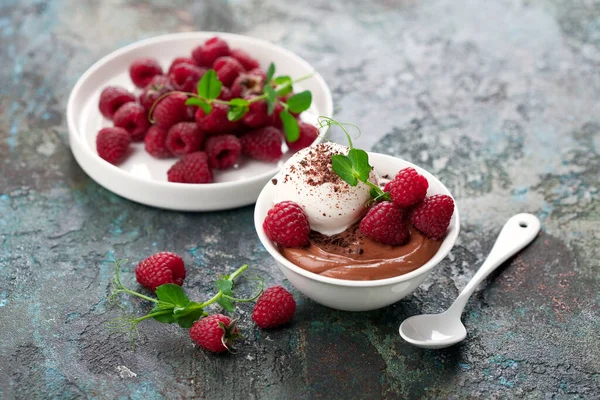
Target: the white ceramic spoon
(436, 331)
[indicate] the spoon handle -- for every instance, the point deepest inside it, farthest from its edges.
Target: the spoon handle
(517, 233)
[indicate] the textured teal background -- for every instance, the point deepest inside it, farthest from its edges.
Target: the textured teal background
(498, 98)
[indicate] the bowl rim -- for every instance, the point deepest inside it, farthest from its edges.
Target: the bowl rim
(451, 238)
(75, 137)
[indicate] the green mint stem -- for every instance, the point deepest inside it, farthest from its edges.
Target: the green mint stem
(217, 296)
(152, 315)
(374, 186)
(125, 290)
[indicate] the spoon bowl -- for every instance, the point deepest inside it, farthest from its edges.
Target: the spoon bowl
(433, 331)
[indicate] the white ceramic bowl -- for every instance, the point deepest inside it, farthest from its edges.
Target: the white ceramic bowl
(351, 295)
(142, 178)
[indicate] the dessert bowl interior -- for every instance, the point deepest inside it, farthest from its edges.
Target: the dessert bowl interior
(351, 295)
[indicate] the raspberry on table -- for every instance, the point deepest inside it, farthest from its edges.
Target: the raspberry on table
(112, 144)
(432, 216)
(213, 48)
(143, 70)
(215, 333)
(180, 60)
(247, 84)
(263, 144)
(192, 168)
(216, 121)
(185, 77)
(287, 225)
(155, 142)
(184, 138)
(223, 151)
(160, 269)
(247, 61)
(385, 222)
(308, 134)
(132, 117)
(170, 110)
(227, 69)
(257, 115)
(408, 187)
(112, 98)
(158, 86)
(275, 307)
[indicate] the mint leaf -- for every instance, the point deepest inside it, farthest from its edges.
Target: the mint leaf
(290, 126)
(271, 98)
(300, 102)
(237, 109)
(209, 86)
(360, 164)
(190, 314)
(342, 165)
(284, 80)
(164, 318)
(194, 101)
(270, 73)
(225, 286)
(226, 304)
(173, 294)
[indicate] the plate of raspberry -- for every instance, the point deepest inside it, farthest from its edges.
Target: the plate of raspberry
(133, 166)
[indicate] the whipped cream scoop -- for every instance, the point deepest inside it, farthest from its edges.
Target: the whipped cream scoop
(330, 204)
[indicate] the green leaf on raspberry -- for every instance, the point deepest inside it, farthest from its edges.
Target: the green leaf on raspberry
(190, 314)
(225, 285)
(300, 102)
(173, 294)
(226, 304)
(290, 126)
(237, 109)
(352, 168)
(360, 164)
(342, 165)
(163, 312)
(270, 73)
(284, 84)
(270, 98)
(209, 86)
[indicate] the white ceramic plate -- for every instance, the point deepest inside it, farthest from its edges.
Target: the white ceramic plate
(142, 178)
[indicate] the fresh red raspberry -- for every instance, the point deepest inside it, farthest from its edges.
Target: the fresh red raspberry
(387, 187)
(143, 70)
(185, 77)
(184, 138)
(170, 110)
(225, 94)
(160, 269)
(112, 144)
(276, 117)
(258, 72)
(223, 151)
(287, 225)
(155, 142)
(432, 216)
(192, 168)
(263, 144)
(408, 187)
(216, 121)
(158, 86)
(247, 61)
(132, 117)
(112, 98)
(180, 60)
(215, 333)
(247, 84)
(212, 49)
(386, 223)
(308, 134)
(227, 69)
(257, 116)
(275, 307)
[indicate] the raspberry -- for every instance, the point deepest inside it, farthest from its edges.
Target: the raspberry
(143, 70)
(276, 117)
(158, 86)
(192, 168)
(275, 307)
(215, 333)
(387, 187)
(184, 138)
(180, 60)
(408, 187)
(287, 225)
(258, 72)
(170, 110)
(225, 94)
(247, 84)
(263, 144)
(112, 144)
(385, 222)
(112, 98)
(185, 77)
(213, 48)
(247, 61)
(223, 151)
(227, 69)
(216, 121)
(257, 116)
(308, 134)
(432, 216)
(160, 269)
(155, 142)
(132, 117)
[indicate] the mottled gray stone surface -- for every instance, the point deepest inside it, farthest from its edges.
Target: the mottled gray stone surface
(498, 98)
